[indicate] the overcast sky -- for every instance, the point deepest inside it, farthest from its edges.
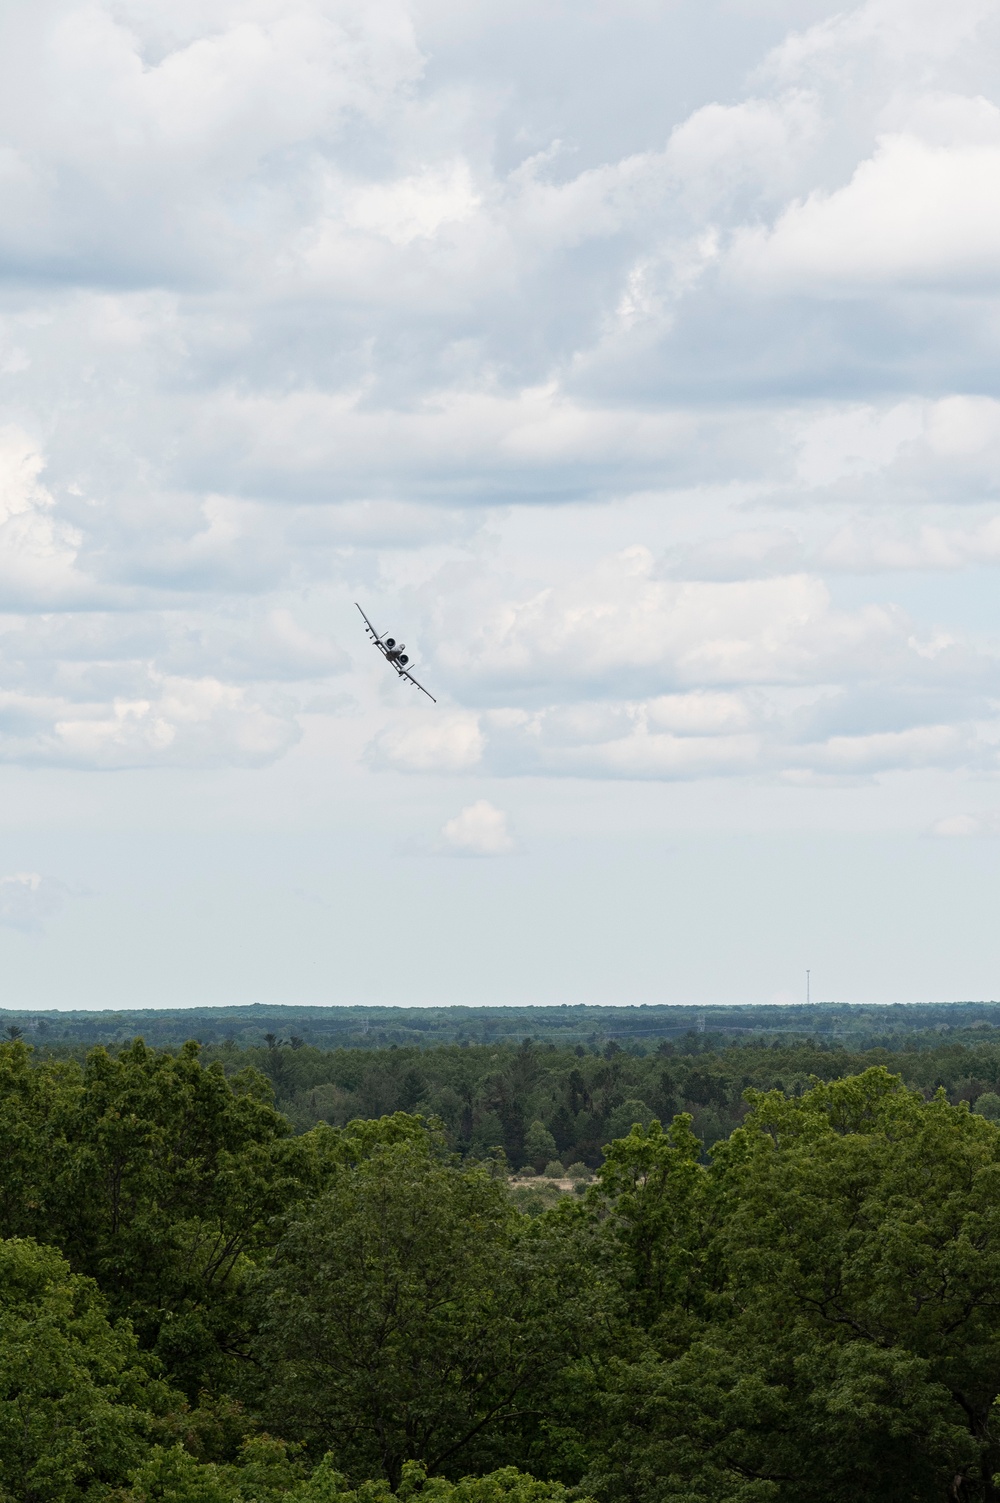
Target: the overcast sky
(636, 361)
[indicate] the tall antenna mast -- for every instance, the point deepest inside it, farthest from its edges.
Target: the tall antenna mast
(807, 988)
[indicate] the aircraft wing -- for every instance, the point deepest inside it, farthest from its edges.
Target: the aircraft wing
(370, 629)
(404, 674)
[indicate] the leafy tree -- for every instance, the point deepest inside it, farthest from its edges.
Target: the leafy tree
(157, 1177)
(623, 1118)
(173, 1177)
(539, 1145)
(410, 1313)
(37, 1106)
(653, 1193)
(806, 1314)
(988, 1106)
(508, 1485)
(412, 1088)
(172, 1475)
(849, 1341)
(73, 1395)
(487, 1134)
(264, 1475)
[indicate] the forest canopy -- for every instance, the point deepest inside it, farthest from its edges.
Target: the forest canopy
(208, 1296)
(851, 1025)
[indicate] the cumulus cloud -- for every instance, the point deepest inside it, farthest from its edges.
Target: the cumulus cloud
(296, 298)
(175, 722)
(621, 674)
(147, 688)
(886, 34)
(620, 626)
(479, 830)
(38, 550)
(913, 213)
(636, 740)
(446, 743)
(28, 900)
(132, 686)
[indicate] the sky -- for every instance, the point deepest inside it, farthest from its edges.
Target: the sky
(636, 361)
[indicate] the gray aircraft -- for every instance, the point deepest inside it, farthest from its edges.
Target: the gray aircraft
(393, 653)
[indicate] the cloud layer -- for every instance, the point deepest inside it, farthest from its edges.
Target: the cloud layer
(651, 421)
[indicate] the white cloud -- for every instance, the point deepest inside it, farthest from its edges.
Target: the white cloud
(298, 296)
(620, 624)
(148, 688)
(966, 826)
(900, 31)
(141, 112)
(861, 545)
(686, 737)
(758, 145)
(178, 722)
(868, 546)
(479, 830)
(443, 744)
(38, 551)
(760, 735)
(912, 214)
(275, 648)
(28, 900)
(775, 731)
(414, 207)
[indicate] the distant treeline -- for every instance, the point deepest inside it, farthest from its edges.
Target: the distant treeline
(535, 1103)
(641, 1028)
(490, 1098)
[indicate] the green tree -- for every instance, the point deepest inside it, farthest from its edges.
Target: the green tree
(172, 1475)
(508, 1485)
(539, 1145)
(848, 1341)
(988, 1106)
(412, 1313)
(73, 1394)
(264, 1475)
(624, 1117)
(652, 1194)
(163, 1181)
(37, 1108)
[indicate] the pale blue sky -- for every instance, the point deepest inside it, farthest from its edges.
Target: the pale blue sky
(637, 363)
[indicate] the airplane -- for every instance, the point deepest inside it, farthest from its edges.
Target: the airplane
(393, 653)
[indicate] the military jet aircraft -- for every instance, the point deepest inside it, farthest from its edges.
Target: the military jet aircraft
(393, 653)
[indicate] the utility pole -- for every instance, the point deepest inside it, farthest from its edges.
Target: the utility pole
(807, 988)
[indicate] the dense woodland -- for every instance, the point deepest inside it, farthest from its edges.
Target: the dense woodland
(536, 1101)
(855, 1026)
(283, 1274)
